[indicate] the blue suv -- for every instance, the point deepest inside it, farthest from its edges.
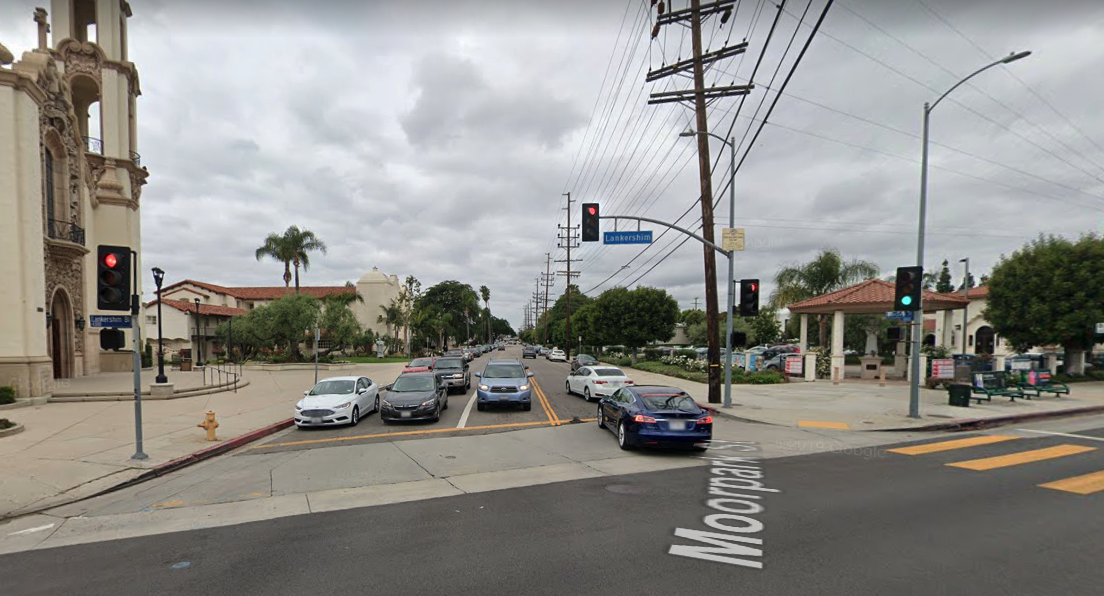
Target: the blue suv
(504, 383)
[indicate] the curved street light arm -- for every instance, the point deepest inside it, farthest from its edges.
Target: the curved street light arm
(1005, 60)
(672, 226)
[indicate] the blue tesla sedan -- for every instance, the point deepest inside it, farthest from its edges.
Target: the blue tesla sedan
(654, 415)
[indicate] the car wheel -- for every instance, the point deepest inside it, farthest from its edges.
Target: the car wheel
(601, 418)
(586, 393)
(375, 408)
(567, 387)
(527, 407)
(437, 416)
(479, 407)
(446, 403)
(356, 416)
(623, 440)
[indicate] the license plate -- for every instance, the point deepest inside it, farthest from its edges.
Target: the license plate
(676, 425)
(615, 383)
(503, 400)
(404, 414)
(316, 420)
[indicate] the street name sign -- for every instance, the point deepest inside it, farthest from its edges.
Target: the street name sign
(110, 321)
(905, 316)
(639, 237)
(732, 239)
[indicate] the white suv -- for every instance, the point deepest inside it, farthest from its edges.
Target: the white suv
(557, 355)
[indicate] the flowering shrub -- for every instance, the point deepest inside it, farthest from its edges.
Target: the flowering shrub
(686, 363)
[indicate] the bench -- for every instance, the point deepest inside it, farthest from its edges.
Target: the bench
(990, 384)
(1039, 383)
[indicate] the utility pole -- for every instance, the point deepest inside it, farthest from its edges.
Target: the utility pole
(699, 95)
(549, 278)
(536, 306)
(696, 303)
(568, 242)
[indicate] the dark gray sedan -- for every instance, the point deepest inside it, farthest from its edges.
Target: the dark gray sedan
(414, 396)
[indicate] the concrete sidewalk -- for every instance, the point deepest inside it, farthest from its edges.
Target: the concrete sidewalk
(71, 450)
(864, 405)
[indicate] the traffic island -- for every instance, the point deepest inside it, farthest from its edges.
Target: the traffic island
(7, 427)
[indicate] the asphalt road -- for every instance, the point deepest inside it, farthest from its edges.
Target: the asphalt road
(876, 522)
(556, 408)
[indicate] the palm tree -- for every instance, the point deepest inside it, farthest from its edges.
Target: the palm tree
(293, 248)
(827, 272)
(485, 293)
(275, 246)
(392, 316)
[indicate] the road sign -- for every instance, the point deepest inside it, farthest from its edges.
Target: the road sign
(905, 316)
(110, 321)
(640, 237)
(732, 239)
(943, 368)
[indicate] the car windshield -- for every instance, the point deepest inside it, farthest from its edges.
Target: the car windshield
(609, 372)
(449, 363)
(667, 401)
(504, 371)
(412, 384)
(421, 362)
(333, 388)
(585, 358)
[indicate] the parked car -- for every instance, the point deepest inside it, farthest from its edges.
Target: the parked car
(557, 356)
(336, 401)
(501, 347)
(453, 372)
(415, 396)
(596, 381)
(420, 365)
(504, 383)
(583, 360)
(655, 415)
(529, 352)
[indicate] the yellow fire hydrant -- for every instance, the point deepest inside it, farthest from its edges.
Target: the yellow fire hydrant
(210, 424)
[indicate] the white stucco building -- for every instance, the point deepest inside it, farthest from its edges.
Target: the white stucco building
(70, 179)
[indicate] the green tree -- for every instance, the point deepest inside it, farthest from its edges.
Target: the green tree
(765, 327)
(827, 272)
(293, 249)
(338, 323)
(633, 318)
(984, 280)
(485, 294)
(1050, 292)
(408, 297)
(391, 316)
(450, 300)
(944, 284)
(692, 316)
(556, 317)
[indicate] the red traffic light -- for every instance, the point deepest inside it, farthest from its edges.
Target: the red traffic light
(111, 260)
(754, 287)
(592, 210)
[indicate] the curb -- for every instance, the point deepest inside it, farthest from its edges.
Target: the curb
(183, 393)
(982, 423)
(176, 464)
(14, 430)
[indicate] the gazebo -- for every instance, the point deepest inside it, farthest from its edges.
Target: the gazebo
(871, 297)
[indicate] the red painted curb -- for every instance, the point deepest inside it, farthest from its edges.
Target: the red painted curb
(980, 423)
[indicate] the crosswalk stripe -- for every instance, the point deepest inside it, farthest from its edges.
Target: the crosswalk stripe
(1082, 485)
(1024, 457)
(949, 445)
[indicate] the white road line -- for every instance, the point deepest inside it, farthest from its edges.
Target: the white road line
(1043, 432)
(467, 411)
(32, 530)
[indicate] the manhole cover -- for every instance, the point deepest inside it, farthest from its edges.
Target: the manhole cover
(626, 489)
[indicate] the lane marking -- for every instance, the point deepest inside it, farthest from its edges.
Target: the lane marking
(1043, 432)
(400, 434)
(543, 402)
(823, 424)
(548, 401)
(1082, 485)
(949, 445)
(1024, 457)
(467, 411)
(31, 530)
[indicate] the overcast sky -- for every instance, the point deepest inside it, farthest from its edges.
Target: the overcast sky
(436, 139)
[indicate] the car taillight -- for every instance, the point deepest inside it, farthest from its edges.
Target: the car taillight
(644, 419)
(599, 382)
(628, 382)
(706, 420)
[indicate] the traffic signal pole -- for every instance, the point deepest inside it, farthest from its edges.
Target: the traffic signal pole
(139, 454)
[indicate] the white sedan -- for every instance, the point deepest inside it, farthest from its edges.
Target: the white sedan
(557, 355)
(596, 381)
(339, 400)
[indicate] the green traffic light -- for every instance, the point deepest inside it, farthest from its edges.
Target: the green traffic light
(906, 300)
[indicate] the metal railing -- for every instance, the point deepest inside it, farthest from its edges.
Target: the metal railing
(225, 374)
(137, 159)
(93, 145)
(65, 230)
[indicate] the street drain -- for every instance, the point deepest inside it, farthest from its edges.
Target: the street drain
(627, 489)
(450, 457)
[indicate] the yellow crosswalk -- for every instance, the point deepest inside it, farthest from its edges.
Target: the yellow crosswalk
(1087, 484)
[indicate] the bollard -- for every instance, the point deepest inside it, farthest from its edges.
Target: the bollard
(210, 424)
(836, 376)
(881, 376)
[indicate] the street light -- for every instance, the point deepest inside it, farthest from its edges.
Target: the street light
(918, 326)
(158, 279)
(731, 258)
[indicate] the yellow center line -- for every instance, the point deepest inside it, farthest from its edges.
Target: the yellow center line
(1024, 457)
(547, 405)
(403, 433)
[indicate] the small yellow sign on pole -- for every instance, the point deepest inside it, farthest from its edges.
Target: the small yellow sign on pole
(732, 239)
